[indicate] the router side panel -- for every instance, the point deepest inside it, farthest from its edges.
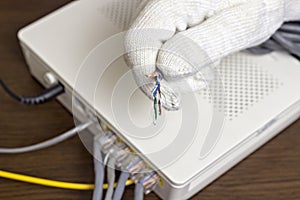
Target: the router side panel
(72, 102)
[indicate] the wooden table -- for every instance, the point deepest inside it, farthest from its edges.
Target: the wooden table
(273, 172)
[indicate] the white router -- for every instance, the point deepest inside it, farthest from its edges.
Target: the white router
(251, 99)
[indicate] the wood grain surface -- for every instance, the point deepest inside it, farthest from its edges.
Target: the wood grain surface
(270, 173)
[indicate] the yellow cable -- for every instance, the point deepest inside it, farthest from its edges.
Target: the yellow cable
(52, 183)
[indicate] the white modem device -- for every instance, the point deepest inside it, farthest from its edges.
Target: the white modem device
(251, 100)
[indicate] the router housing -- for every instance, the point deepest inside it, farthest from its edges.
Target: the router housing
(215, 129)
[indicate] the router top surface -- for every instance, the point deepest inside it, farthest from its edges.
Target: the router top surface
(84, 47)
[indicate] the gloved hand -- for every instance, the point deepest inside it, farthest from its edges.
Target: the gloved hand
(180, 38)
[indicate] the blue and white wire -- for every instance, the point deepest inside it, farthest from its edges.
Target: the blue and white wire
(99, 171)
(50, 142)
(155, 91)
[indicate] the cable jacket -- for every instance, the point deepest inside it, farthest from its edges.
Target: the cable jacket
(287, 39)
(99, 172)
(49, 142)
(110, 178)
(291, 27)
(45, 96)
(290, 46)
(138, 192)
(9, 92)
(121, 186)
(52, 183)
(46, 182)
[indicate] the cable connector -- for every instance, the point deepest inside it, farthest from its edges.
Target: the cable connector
(149, 182)
(135, 166)
(121, 153)
(107, 141)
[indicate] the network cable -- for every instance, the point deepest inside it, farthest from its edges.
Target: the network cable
(41, 98)
(138, 191)
(98, 187)
(52, 183)
(49, 142)
(121, 186)
(110, 178)
(99, 171)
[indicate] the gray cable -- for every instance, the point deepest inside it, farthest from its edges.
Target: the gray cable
(260, 50)
(138, 192)
(267, 47)
(287, 38)
(291, 36)
(110, 178)
(49, 142)
(291, 27)
(99, 172)
(291, 47)
(271, 44)
(121, 186)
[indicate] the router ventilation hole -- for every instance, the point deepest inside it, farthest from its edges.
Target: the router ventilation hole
(240, 85)
(122, 12)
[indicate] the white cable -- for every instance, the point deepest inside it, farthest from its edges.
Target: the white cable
(49, 142)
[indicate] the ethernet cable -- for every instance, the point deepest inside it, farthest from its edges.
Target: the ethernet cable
(49, 142)
(52, 183)
(138, 191)
(106, 142)
(121, 186)
(43, 97)
(99, 171)
(110, 178)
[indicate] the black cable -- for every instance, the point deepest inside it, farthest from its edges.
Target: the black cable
(44, 97)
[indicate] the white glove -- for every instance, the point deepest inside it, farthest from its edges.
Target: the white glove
(179, 38)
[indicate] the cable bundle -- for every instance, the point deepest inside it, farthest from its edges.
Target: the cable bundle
(287, 38)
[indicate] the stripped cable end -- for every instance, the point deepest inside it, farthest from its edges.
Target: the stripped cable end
(156, 96)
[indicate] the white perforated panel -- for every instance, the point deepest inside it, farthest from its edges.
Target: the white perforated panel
(241, 84)
(122, 12)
